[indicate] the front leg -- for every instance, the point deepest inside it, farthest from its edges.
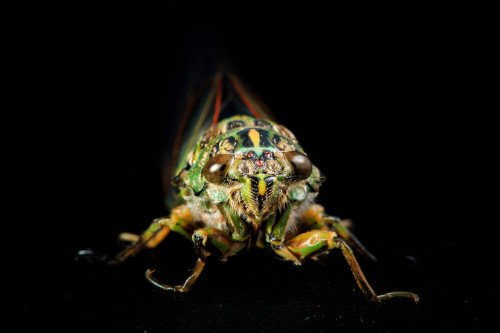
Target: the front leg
(315, 218)
(313, 242)
(318, 236)
(206, 241)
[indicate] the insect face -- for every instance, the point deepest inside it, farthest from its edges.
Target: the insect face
(258, 179)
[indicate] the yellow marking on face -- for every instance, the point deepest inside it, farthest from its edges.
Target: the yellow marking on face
(254, 136)
(262, 187)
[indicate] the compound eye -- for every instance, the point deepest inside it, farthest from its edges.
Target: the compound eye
(300, 163)
(216, 168)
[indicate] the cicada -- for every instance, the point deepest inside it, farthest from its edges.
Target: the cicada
(241, 181)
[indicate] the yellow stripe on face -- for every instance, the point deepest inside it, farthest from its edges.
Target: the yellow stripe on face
(254, 137)
(262, 187)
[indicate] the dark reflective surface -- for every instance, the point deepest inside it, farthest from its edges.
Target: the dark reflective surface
(366, 93)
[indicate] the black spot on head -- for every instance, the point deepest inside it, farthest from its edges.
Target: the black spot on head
(283, 144)
(262, 123)
(245, 139)
(264, 138)
(215, 150)
(229, 144)
(235, 124)
(276, 141)
(269, 181)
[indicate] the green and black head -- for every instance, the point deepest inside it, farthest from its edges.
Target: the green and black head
(254, 165)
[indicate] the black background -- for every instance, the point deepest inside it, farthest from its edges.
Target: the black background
(373, 94)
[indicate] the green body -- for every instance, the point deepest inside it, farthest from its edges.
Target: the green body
(237, 206)
(245, 181)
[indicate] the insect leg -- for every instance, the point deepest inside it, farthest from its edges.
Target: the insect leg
(178, 221)
(305, 245)
(209, 240)
(205, 241)
(316, 219)
(191, 279)
(363, 283)
(313, 242)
